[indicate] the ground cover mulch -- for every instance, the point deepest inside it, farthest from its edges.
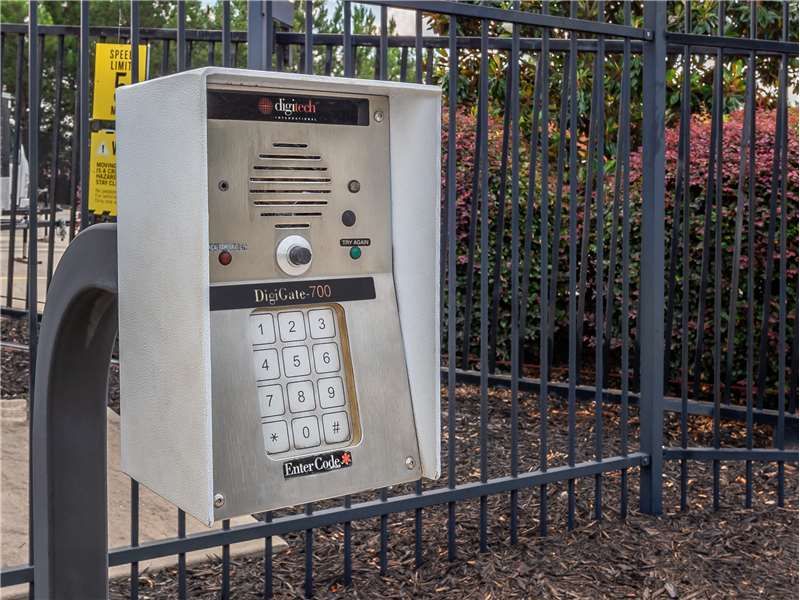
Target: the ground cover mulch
(696, 554)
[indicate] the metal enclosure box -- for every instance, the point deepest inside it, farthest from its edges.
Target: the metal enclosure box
(278, 287)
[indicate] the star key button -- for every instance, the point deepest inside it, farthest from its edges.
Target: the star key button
(276, 437)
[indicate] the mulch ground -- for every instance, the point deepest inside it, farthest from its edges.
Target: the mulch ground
(695, 554)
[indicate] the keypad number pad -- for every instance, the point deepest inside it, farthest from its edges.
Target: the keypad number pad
(302, 381)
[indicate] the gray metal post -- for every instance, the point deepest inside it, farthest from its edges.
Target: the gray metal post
(651, 315)
(69, 420)
(256, 35)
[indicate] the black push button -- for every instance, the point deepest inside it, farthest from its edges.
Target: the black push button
(349, 218)
(299, 256)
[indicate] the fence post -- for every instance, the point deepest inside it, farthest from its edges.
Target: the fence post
(256, 35)
(651, 317)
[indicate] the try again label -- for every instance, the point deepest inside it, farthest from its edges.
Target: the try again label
(322, 463)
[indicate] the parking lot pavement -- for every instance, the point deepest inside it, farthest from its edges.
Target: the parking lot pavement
(20, 267)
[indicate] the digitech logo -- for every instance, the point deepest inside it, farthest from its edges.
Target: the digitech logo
(287, 107)
(322, 463)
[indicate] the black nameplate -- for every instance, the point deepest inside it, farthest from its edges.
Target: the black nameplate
(321, 463)
(287, 108)
(289, 293)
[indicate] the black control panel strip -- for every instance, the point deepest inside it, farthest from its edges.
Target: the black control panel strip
(290, 293)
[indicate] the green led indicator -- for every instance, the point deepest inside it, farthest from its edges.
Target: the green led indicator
(355, 252)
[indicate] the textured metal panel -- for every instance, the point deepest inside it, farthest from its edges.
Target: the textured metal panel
(249, 479)
(165, 355)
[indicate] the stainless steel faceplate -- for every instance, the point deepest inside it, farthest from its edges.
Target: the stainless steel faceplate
(248, 217)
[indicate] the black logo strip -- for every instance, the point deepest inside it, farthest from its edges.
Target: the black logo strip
(289, 293)
(321, 463)
(254, 106)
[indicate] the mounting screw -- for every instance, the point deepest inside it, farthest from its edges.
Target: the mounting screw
(409, 463)
(645, 461)
(223, 186)
(378, 115)
(219, 500)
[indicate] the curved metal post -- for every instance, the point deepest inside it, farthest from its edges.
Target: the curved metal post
(69, 420)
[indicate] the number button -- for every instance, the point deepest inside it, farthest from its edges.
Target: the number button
(336, 427)
(276, 437)
(301, 396)
(326, 358)
(295, 361)
(331, 392)
(262, 328)
(292, 326)
(321, 323)
(266, 364)
(271, 399)
(306, 432)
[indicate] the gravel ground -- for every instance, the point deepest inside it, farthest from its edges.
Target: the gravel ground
(697, 554)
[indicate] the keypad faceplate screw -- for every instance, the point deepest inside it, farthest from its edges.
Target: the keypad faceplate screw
(219, 500)
(410, 462)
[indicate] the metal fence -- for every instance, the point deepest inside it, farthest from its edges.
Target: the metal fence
(580, 289)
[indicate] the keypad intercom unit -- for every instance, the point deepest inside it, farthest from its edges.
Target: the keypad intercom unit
(278, 287)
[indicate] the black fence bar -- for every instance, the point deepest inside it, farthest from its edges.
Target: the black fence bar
(746, 45)
(181, 37)
(347, 40)
(484, 323)
(226, 35)
(685, 153)
(225, 592)
(573, 250)
(600, 170)
(268, 584)
(84, 75)
(751, 193)
(737, 454)
(515, 300)
(134, 584)
(717, 356)
(543, 20)
(451, 270)
(624, 150)
(15, 164)
(544, 225)
(308, 45)
(56, 140)
(783, 144)
(181, 556)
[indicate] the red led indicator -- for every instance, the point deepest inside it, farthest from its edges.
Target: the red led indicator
(265, 106)
(225, 258)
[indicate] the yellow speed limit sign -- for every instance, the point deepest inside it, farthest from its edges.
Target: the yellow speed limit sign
(112, 69)
(103, 173)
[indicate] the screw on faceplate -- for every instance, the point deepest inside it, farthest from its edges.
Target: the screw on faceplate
(219, 500)
(409, 463)
(223, 186)
(378, 115)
